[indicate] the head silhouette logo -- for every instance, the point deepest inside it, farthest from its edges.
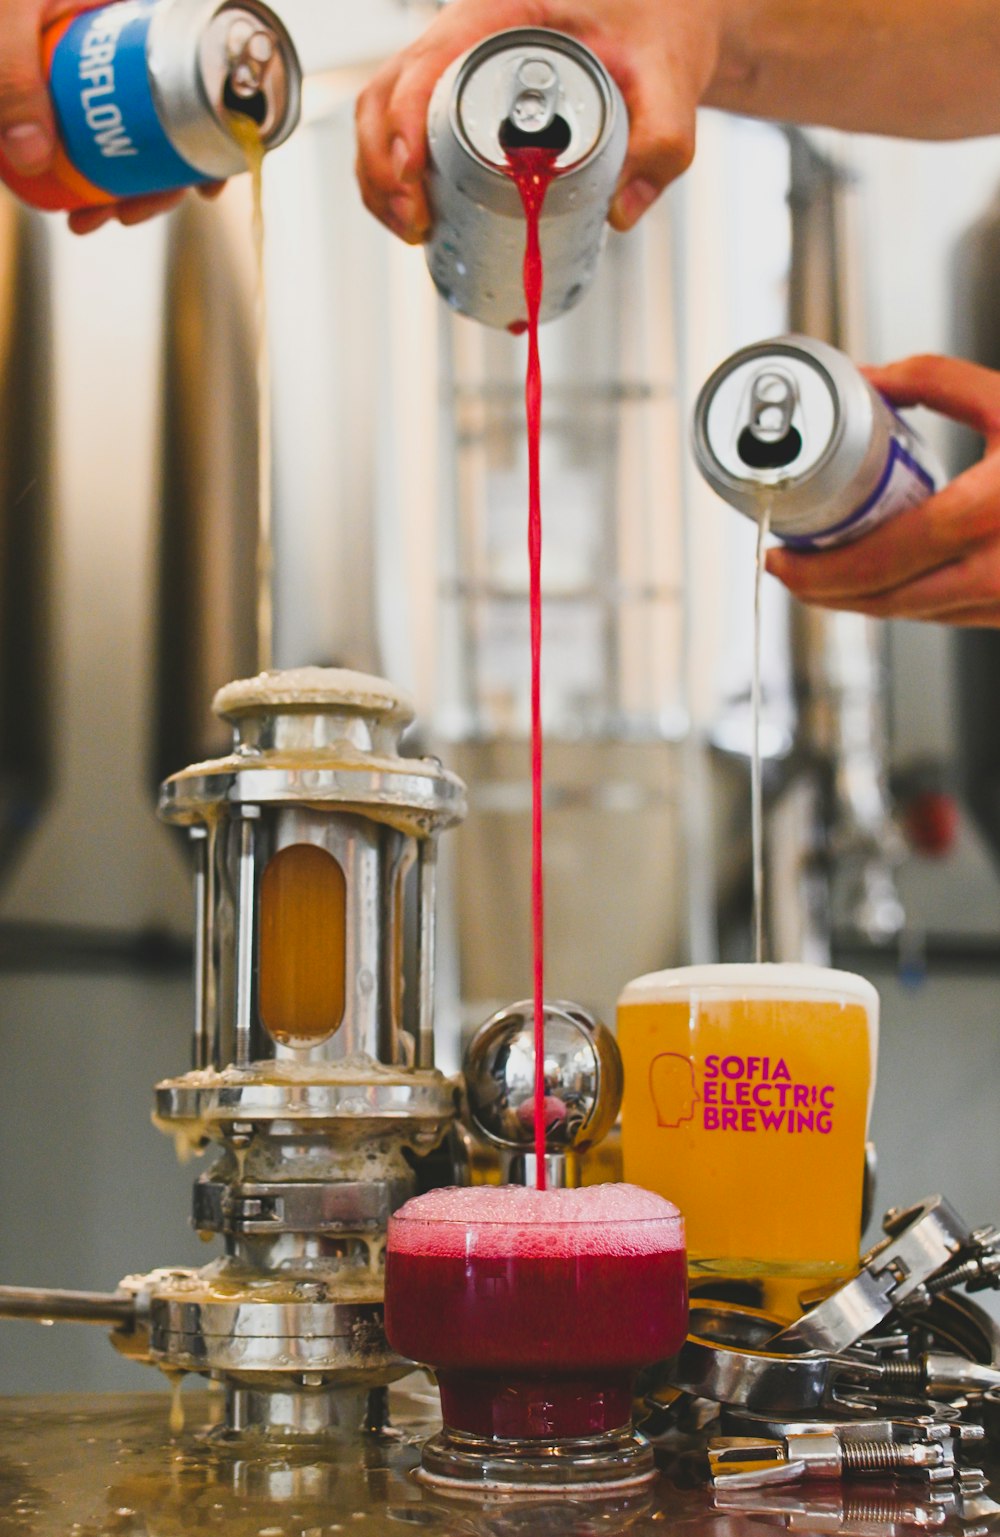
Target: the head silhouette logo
(672, 1086)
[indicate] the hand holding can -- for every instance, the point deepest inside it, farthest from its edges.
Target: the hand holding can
(140, 92)
(525, 88)
(791, 425)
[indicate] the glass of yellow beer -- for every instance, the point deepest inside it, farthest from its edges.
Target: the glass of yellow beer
(748, 1091)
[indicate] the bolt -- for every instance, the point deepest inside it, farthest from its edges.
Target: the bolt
(894, 1457)
(980, 1271)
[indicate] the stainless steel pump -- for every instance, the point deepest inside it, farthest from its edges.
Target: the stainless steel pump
(312, 1075)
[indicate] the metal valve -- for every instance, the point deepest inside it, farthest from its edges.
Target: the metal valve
(583, 1086)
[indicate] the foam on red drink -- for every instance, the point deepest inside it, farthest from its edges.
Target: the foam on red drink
(536, 1309)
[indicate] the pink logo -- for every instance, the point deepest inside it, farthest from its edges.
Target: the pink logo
(672, 1086)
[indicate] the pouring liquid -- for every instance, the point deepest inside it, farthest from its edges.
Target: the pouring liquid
(247, 135)
(532, 170)
(756, 790)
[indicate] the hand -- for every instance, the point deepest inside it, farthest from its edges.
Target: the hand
(27, 127)
(940, 560)
(662, 53)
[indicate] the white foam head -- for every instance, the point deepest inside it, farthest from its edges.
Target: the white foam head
(764, 980)
(509, 1220)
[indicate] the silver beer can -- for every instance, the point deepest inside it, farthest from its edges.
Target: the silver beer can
(207, 59)
(792, 425)
(525, 86)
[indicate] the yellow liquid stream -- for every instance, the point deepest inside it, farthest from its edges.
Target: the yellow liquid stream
(247, 135)
(756, 786)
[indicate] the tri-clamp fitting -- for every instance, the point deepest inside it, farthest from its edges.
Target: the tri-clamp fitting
(921, 1242)
(833, 1451)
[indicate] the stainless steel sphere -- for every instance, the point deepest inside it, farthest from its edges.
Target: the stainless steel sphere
(583, 1078)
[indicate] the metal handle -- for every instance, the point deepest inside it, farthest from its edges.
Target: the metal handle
(49, 1305)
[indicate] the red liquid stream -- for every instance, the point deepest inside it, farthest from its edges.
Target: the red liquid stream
(532, 170)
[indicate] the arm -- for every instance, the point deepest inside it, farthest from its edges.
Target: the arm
(940, 560)
(929, 68)
(923, 69)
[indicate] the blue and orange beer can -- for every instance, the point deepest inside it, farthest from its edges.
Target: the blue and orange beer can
(143, 92)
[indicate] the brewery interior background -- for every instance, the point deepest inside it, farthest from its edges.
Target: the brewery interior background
(127, 519)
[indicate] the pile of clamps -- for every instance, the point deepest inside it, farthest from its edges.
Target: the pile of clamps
(890, 1375)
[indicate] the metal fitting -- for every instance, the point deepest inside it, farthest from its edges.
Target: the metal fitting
(743, 1462)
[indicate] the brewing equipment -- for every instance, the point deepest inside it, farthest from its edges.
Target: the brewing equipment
(313, 1074)
(582, 1072)
(25, 529)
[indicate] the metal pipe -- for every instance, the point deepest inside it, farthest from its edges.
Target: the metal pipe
(245, 936)
(199, 1045)
(49, 1306)
(426, 908)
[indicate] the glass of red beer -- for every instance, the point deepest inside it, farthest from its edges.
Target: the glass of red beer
(536, 1309)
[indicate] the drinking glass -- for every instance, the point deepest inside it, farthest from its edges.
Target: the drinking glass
(748, 1091)
(536, 1310)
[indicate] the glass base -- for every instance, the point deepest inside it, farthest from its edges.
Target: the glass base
(617, 1460)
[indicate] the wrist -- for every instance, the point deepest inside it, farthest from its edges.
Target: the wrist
(737, 59)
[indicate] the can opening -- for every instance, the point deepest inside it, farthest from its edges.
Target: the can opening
(766, 453)
(556, 135)
(254, 106)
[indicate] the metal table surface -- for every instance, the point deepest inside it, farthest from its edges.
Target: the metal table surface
(75, 1465)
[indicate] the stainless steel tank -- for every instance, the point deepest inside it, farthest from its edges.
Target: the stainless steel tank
(26, 577)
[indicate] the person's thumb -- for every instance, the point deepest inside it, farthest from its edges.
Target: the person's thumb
(27, 132)
(660, 147)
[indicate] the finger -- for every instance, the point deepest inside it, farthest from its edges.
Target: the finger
(914, 542)
(964, 391)
(391, 114)
(390, 122)
(27, 130)
(456, 29)
(970, 583)
(84, 221)
(661, 139)
(136, 210)
(389, 172)
(27, 126)
(975, 618)
(982, 616)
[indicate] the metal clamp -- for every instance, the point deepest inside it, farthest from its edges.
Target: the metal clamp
(891, 1511)
(749, 1462)
(725, 1360)
(771, 1382)
(305, 1206)
(920, 1242)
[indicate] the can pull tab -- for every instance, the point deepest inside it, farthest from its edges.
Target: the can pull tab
(249, 52)
(770, 441)
(532, 118)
